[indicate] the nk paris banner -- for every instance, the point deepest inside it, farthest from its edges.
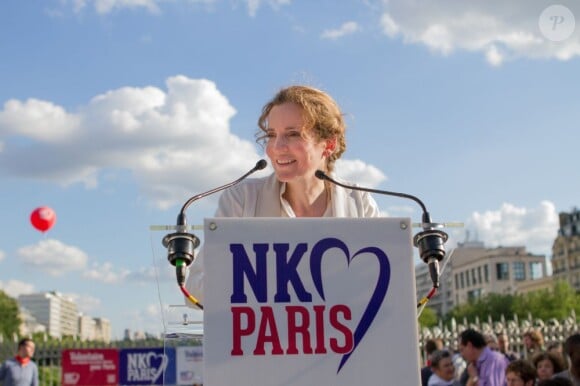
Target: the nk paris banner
(309, 301)
(98, 367)
(147, 366)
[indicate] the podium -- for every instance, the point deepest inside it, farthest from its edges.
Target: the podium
(309, 301)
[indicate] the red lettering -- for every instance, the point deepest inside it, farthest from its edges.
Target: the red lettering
(268, 322)
(238, 331)
(334, 322)
(305, 326)
(319, 314)
(294, 329)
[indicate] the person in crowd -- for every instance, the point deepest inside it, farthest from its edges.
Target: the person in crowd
(547, 364)
(443, 370)
(533, 343)
(431, 346)
(459, 363)
(20, 370)
(520, 372)
(503, 343)
(491, 341)
(572, 350)
(303, 130)
(485, 367)
(557, 348)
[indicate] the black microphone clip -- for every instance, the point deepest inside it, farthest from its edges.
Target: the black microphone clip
(431, 245)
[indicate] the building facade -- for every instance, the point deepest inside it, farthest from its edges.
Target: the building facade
(59, 314)
(474, 270)
(478, 270)
(102, 330)
(566, 250)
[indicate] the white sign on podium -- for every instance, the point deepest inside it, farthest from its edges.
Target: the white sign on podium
(309, 301)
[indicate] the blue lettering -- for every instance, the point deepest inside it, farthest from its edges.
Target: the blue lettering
(243, 267)
(286, 272)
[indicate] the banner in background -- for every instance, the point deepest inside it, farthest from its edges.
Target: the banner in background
(88, 367)
(147, 366)
(189, 365)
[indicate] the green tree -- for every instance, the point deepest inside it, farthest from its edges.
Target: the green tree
(557, 302)
(428, 318)
(10, 320)
(491, 305)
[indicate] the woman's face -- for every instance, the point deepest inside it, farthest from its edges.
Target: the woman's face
(445, 370)
(545, 369)
(293, 155)
(528, 342)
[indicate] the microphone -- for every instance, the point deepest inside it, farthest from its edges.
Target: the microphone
(430, 242)
(181, 244)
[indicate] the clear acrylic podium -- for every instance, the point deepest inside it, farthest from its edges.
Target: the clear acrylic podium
(182, 325)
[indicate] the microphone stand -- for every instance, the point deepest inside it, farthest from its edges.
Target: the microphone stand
(181, 244)
(430, 241)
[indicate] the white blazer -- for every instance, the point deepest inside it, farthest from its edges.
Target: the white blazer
(262, 197)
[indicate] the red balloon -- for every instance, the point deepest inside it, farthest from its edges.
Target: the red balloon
(43, 218)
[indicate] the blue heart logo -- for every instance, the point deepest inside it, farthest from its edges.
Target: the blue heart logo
(378, 295)
(158, 362)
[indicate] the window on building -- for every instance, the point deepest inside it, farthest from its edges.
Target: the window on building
(461, 279)
(479, 274)
(473, 280)
(474, 294)
(486, 273)
(503, 271)
(519, 270)
(456, 281)
(536, 271)
(468, 281)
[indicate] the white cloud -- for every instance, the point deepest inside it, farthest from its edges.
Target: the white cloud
(53, 257)
(38, 120)
(106, 273)
(104, 7)
(356, 171)
(15, 288)
(253, 5)
(534, 228)
(161, 137)
(347, 28)
(500, 30)
(107, 6)
(2, 255)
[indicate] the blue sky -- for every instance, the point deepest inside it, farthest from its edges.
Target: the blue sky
(114, 112)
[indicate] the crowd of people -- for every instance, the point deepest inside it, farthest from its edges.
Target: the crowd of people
(479, 359)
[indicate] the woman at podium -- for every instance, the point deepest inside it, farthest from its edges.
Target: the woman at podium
(302, 130)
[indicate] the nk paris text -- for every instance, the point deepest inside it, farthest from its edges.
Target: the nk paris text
(296, 325)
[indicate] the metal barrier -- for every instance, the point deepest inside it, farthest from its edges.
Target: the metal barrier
(553, 331)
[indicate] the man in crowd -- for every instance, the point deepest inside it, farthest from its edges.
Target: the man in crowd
(20, 370)
(486, 367)
(431, 346)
